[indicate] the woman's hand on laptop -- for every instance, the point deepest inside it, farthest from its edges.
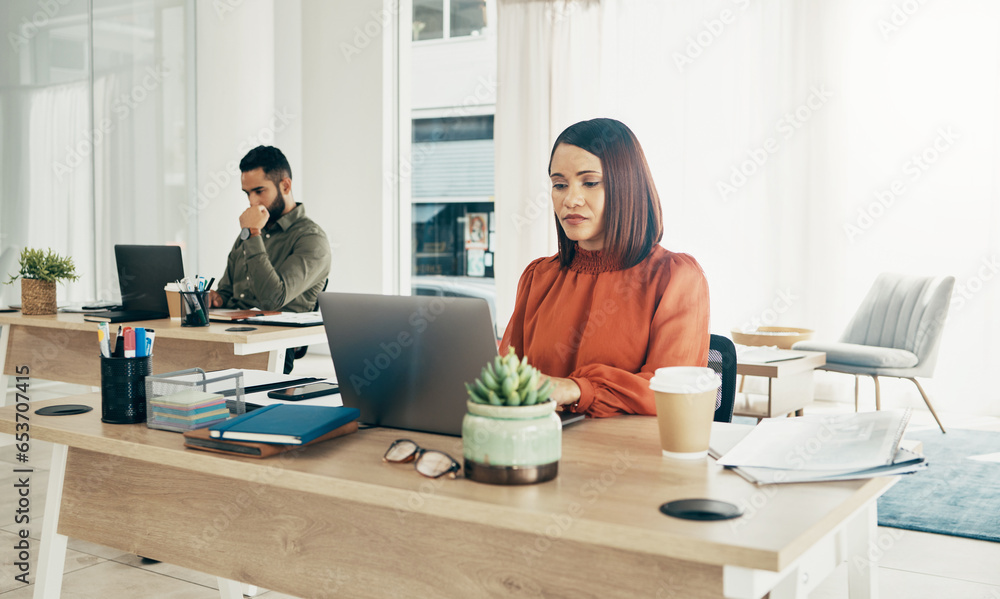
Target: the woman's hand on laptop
(564, 391)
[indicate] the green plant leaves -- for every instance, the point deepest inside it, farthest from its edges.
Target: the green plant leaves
(45, 266)
(509, 381)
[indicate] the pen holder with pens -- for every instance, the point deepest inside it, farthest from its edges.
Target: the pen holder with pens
(194, 308)
(123, 389)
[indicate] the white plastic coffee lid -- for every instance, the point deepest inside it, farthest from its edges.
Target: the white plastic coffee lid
(684, 379)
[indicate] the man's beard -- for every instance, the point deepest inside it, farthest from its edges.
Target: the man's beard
(276, 208)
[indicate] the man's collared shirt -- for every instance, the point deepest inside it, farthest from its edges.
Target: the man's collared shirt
(284, 268)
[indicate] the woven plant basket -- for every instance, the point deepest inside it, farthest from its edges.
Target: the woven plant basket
(38, 296)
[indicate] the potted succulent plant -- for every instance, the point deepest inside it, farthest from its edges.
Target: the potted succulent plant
(40, 270)
(511, 434)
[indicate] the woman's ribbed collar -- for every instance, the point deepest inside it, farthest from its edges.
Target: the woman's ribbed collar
(588, 262)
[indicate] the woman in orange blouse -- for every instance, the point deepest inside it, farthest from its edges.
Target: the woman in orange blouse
(613, 305)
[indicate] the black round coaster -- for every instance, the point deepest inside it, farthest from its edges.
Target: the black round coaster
(241, 329)
(63, 410)
(701, 509)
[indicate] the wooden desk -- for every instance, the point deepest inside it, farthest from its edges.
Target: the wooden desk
(789, 384)
(63, 347)
(337, 521)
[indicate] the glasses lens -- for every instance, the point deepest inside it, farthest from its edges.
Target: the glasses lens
(435, 464)
(401, 451)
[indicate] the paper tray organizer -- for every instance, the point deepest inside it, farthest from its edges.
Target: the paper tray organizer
(187, 399)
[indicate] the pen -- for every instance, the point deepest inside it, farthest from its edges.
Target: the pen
(129, 342)
(119, 344)
(140, 342)
(102, 339)
(150, 334)
(210, 281)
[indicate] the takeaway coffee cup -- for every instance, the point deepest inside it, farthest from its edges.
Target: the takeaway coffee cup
(685, 406)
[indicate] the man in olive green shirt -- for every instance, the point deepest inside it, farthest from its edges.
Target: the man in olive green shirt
(281, 259)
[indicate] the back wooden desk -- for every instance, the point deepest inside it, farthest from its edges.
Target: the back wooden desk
(337, 521)
(63, 347)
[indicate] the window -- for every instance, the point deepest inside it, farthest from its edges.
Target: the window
(445, 19)
(453, 196)
(452, 230)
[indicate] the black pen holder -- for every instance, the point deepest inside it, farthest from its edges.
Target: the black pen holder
(123, 389)
(194, 309)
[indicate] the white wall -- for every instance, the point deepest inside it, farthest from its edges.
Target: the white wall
(288, 88)
(321, 63)
(346, 156)
(235, 108)
(458, 73)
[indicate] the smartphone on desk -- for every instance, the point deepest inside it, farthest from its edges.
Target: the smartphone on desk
(305, 391)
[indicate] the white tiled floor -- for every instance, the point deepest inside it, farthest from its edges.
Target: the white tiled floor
(914, 566)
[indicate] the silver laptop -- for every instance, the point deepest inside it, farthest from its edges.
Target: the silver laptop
(403, 360)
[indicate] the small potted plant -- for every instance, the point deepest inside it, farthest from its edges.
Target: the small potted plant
(40, 270)
(511, 434)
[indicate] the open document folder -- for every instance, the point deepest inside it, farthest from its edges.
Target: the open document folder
(817, 448)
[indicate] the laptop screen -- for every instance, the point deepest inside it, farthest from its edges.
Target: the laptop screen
(143, 271)
(404, 360)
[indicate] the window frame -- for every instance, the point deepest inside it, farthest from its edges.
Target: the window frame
(446, 37)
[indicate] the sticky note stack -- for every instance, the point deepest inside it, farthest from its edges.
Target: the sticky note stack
(187, 410)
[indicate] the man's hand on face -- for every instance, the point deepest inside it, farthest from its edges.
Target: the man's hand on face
(254, 217)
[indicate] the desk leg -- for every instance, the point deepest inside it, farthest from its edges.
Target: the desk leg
(789, 393)
(862, 570)
(788, 588)
(230, 589)
(52, 558)
(4, 339)
(276, 360)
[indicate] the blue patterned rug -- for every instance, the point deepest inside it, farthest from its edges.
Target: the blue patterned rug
(955, 495)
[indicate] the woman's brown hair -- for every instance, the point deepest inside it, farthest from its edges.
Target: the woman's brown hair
(633, 221)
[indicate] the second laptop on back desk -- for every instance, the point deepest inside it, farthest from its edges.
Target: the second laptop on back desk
(143, 272)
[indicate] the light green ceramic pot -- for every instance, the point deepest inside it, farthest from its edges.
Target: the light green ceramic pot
(511, 445)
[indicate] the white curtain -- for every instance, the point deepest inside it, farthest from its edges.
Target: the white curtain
(48, 189)
(773, 129)
(545, 59)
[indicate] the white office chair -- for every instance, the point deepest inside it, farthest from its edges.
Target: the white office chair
(896, 332)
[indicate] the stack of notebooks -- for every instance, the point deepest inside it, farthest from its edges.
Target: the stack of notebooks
(231, 315)
(275, 429)
(187, 410)
(820, 448)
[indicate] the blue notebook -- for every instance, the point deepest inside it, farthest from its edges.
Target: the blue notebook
(284, 423)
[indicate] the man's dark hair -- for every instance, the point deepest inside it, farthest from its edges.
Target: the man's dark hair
(270, 159)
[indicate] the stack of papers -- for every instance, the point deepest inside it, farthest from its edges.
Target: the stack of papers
(766, 355)
(820, 448)
(187, 410)
(289, 319)
(230, 315)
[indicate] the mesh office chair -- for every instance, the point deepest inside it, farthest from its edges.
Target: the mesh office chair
(722, 359)
(297, 353)
(896, 332)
